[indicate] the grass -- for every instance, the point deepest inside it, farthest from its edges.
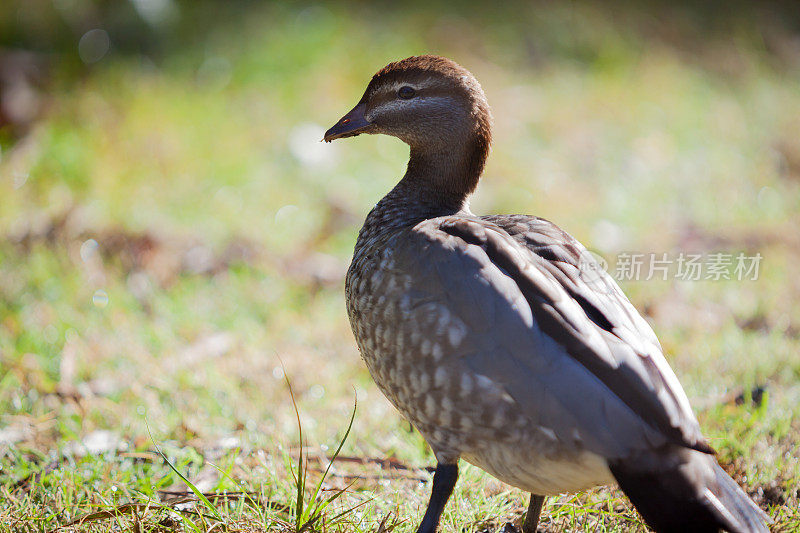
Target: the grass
(171, 230)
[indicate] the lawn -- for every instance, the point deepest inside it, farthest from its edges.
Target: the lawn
(173, 240)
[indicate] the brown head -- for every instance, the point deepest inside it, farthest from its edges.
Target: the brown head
(435, 106)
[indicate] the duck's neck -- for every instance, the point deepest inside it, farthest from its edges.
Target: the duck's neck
(438, 181)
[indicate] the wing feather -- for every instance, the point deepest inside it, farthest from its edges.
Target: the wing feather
(580, 361)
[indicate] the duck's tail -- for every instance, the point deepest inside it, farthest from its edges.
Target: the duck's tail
(683, 490)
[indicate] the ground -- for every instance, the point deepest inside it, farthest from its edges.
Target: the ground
(173, 238)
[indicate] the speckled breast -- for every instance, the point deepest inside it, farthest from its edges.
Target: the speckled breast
(411, 348)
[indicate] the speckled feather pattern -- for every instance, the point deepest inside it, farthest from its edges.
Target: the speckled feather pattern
(413, 347)
(451, 340)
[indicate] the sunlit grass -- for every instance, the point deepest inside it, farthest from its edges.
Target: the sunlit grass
(172, 231)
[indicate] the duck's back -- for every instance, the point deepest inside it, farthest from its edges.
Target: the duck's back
(483, 333)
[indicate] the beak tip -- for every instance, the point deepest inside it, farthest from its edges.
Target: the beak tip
(352, 124)
(329, 136)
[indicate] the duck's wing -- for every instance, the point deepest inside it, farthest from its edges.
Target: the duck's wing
(580, 273)
(573, 353)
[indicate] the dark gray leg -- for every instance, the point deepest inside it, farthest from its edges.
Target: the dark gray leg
(444, 479)
(532, 516)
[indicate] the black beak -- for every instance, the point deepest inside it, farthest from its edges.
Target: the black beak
(350, 125)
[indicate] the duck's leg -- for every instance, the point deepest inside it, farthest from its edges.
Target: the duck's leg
(532, 516)
(444, 479)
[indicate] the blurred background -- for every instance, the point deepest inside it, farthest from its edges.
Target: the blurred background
(173, 235)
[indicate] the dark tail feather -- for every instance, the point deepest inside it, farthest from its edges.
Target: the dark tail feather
(687, 491)
(746, 514)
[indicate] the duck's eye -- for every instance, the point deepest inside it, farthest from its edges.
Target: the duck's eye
(406, 92)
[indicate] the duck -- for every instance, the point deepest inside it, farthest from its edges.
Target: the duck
(501, 339)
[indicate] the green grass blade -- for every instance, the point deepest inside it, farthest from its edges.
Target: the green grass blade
(197, 492)
(301, 468)
(338, 450)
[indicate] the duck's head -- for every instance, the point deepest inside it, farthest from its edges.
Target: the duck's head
(429, 102)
